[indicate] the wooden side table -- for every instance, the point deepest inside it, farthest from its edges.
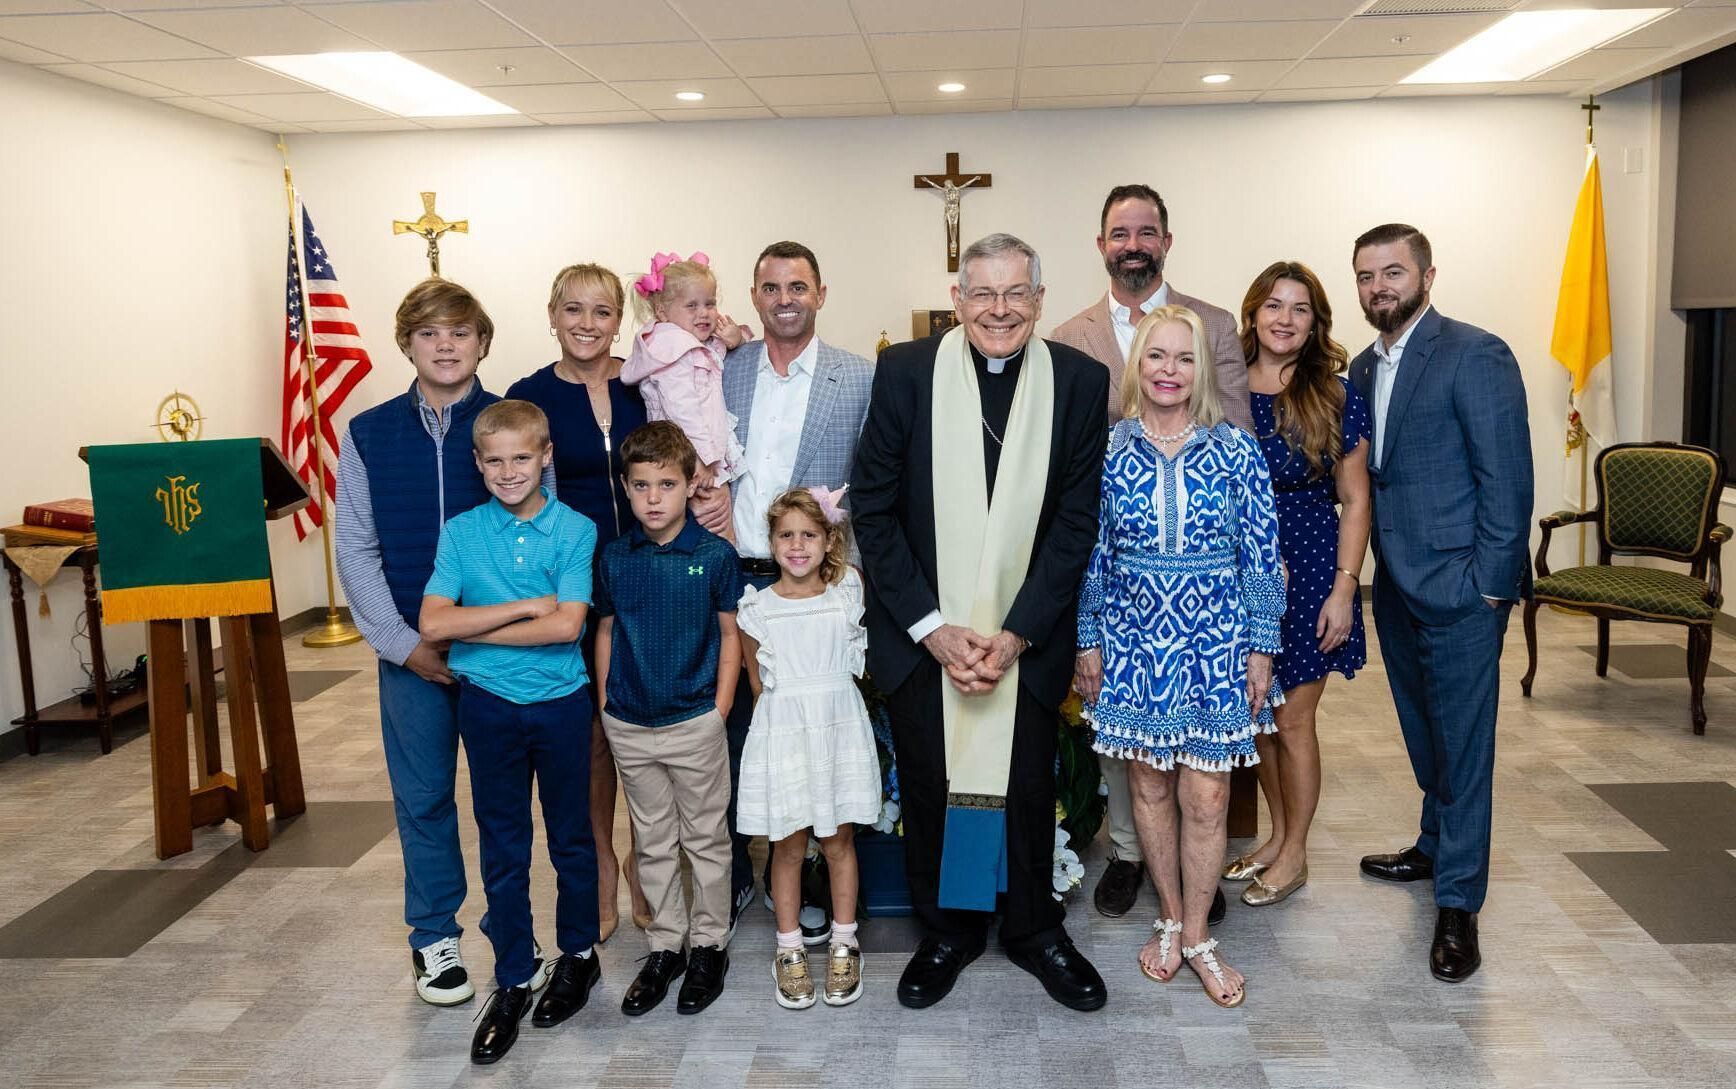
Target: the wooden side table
(72, 711)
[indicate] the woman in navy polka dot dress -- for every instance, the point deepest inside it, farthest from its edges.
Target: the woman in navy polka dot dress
(1313, 428)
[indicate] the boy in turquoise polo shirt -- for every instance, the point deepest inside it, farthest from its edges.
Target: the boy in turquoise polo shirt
(511, 587)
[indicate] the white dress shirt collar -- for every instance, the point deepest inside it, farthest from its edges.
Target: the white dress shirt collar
(1123, 315)
(805, 360)
(1391, 356)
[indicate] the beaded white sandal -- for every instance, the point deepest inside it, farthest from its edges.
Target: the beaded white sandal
(1164, 928)
(1204, 951)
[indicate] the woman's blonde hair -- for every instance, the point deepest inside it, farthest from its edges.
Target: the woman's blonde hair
(589, 275)
(800, 501)
(1203, 404)
(676, 275)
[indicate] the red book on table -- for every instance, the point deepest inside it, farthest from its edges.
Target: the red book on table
(74, 514)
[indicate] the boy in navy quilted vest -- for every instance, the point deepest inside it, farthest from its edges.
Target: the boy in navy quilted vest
(404, 468)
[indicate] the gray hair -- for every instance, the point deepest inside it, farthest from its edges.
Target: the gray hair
(998, 245)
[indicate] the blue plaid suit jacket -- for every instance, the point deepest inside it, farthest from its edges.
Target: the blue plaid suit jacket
(837, 405)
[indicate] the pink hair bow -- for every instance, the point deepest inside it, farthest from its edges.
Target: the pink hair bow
(830, 502)
(652, 282)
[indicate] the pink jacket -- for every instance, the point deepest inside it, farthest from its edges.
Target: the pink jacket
(682, 381)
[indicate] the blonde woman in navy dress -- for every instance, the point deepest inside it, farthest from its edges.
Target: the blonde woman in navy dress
(1313, 428)
(1178, 626)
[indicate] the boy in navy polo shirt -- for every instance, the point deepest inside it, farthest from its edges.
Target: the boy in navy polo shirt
(511, 586)
(667, 658)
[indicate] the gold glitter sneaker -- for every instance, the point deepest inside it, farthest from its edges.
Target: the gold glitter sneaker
(795, 987)
(843, 975)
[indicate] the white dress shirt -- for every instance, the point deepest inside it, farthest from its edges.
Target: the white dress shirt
(774, 434)
(1385, 374)
(1121, 317)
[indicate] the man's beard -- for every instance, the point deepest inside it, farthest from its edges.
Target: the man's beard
(1391, 321)
(1134, 276)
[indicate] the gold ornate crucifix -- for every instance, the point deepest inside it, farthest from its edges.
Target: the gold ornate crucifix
(430, 227)
(952, 185)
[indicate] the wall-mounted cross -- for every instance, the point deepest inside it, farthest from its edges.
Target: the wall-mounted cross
(952, 185)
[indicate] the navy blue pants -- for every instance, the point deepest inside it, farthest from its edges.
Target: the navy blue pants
(508, 745)
(419, 723)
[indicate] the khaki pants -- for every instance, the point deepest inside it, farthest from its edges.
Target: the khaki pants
(677, 783)
(1123, 836)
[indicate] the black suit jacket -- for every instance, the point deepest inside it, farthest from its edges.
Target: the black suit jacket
(892, 503)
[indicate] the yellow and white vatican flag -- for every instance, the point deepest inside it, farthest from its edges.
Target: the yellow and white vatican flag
(1582, 336)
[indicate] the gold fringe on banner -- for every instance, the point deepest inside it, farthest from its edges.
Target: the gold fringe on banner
(174, 602)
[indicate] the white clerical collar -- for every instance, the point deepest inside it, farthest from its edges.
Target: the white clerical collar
(1391, 355)
(996, 366)
(1124, 314)
(804, 362)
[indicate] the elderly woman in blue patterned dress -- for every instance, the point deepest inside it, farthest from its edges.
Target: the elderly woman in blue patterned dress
(1178, 624)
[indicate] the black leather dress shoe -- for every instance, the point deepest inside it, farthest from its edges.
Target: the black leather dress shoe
(706, 967)
(569, 986)
(1118, 888)
(1220, 908)
(933, 970)
(1455, 954)
(1409, 864)
(652, 982)
(1064, 972)
(499, 1028)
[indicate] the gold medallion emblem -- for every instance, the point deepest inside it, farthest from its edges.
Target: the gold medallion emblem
(180, 504)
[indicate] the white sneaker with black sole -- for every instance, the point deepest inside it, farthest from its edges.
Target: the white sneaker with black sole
(439, 973)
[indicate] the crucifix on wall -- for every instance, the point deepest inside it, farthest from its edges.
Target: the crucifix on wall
(952, 185)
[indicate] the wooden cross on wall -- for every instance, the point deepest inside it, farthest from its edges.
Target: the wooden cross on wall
(952, 185)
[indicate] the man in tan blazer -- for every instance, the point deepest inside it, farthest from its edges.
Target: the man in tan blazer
(1134, 239)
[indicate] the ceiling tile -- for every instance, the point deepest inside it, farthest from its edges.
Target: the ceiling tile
(163, 5)
(1205, 98)
(1422, 34)
(560, 98)
(307, 106)
(1098, 79)
(1248, 75)
(1318, 94)
(653, 60)
(253, 32)
(215, 109)
(931, 52)
(25, 54)
(796, 56)
(487, 121)
(659, 95)
(44, 7)
(1603, 63)
(978, 83)
(849, 109)
(596, 22)
(904, 16)
(1544, 87)
(978, 105)
(209, 77)
(90, 73)
(1249, 41)
(382, 124)
(97, 38)
(1351, 72)
(1075, 102)
(780, 91)
(1097, 45)
(600, 117)
(1047, 13)
(1438, 90)
(404, 25)
(482, 67)
(1679, 30)
(767, 18)
(732, 113)
(1245, 11)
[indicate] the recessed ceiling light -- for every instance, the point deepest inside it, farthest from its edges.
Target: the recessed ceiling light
(1216, 77)
(387, 82)
(690, 96)
(1528, 42)
(950, 88)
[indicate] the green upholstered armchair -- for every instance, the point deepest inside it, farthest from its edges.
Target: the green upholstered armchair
(1653, 499)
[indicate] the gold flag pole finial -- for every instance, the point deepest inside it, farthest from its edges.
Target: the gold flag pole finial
(430, 227)
(334, 630)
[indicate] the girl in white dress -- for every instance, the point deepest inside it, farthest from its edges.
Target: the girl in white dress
(809, 765)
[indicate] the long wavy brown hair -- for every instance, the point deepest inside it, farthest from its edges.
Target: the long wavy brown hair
(1310, 409)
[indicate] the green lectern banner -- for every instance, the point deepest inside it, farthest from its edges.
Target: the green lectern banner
(183, 529)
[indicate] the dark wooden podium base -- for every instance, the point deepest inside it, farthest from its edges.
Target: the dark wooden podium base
(259, 706)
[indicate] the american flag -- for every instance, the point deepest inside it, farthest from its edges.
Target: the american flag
(340, 362)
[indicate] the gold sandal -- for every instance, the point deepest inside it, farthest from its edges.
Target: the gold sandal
(1164, 928)
(1204, 951)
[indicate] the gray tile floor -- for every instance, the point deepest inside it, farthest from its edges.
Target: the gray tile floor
(289, 969)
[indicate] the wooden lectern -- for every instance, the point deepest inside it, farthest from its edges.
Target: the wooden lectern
(259, 706)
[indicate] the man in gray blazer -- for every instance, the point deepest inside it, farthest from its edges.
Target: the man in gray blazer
(1451, 467)
(799, 404)
(1133, 237)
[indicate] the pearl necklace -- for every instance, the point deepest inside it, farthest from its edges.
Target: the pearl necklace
(1165, 440)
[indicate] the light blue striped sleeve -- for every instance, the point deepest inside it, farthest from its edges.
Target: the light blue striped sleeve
(357, 548)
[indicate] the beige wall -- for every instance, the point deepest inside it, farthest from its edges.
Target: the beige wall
(115, 182)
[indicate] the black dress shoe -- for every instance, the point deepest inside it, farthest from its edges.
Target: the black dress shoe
(1064, 972)
(1118, 888)
(1220, 908)
(652, 982)
(1455, 954)
(933, 970)
(1409, 864)
(499, 1028)
(706, 967)
(569, 986)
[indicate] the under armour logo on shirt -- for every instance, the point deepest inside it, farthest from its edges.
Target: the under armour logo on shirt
(696, 569)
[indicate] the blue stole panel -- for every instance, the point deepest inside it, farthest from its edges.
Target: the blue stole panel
(973, 854)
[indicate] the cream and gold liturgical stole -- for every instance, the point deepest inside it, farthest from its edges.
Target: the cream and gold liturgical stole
(982, 552)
